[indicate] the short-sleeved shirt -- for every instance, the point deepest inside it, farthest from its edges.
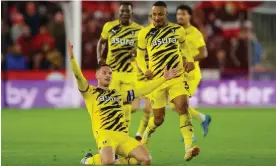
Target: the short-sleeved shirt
(163, 47)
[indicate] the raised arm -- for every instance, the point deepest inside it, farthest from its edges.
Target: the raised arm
(81, 81)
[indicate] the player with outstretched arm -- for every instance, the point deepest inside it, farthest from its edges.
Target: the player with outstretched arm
(104, 106)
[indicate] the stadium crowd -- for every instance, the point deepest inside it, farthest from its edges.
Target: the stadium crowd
(33, 35)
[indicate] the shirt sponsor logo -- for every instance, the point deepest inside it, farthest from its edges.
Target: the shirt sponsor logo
(163, 41)
(109, 98)
(122, 41)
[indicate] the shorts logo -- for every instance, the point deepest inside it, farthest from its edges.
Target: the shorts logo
(104, 142)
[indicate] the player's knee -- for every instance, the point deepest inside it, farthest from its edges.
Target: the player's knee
(158, 120)
(147, 110)
(108, 161)
(183, 108)
(146, 160)
(134, 109)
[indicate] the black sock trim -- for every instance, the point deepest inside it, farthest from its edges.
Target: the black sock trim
(186, 126)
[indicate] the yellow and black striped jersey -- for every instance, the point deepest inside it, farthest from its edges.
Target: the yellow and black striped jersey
(105, 108)
(121, 40)
(105, 105)
(163, 47)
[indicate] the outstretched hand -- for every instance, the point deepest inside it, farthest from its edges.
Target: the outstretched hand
(172, 73)
(148, 74)
(70, 49)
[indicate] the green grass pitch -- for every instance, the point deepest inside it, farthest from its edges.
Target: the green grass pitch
(59, 137)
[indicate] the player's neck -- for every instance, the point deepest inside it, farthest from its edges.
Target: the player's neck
(102, 87)
(160, 26)
(126, 23)
(186, 25)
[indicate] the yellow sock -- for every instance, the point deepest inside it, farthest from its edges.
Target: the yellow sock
(94, 160)
(143, 123)
(128, 161)
(127, 109)
(195, 114)
(186, 128)
(150, 128)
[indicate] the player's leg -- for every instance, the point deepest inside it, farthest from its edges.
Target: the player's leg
(181, 106)
(106, 144)
(158, 103)
(133, 152)
(144, 121)
(179, 96)
(127, 107)
(205, 119)
(135, 105)
(105, 157)
(154, 122)
(141, 154)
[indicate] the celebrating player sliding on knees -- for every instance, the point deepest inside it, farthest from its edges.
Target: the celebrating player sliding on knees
(108, 119)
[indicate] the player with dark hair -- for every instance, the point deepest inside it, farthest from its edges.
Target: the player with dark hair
(163, 41)
(121, 37)
(197, 46)
(104, 106)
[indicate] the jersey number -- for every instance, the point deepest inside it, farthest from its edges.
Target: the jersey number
(186, 85)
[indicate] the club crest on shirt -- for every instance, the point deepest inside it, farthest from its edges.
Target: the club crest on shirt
(152, 32)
